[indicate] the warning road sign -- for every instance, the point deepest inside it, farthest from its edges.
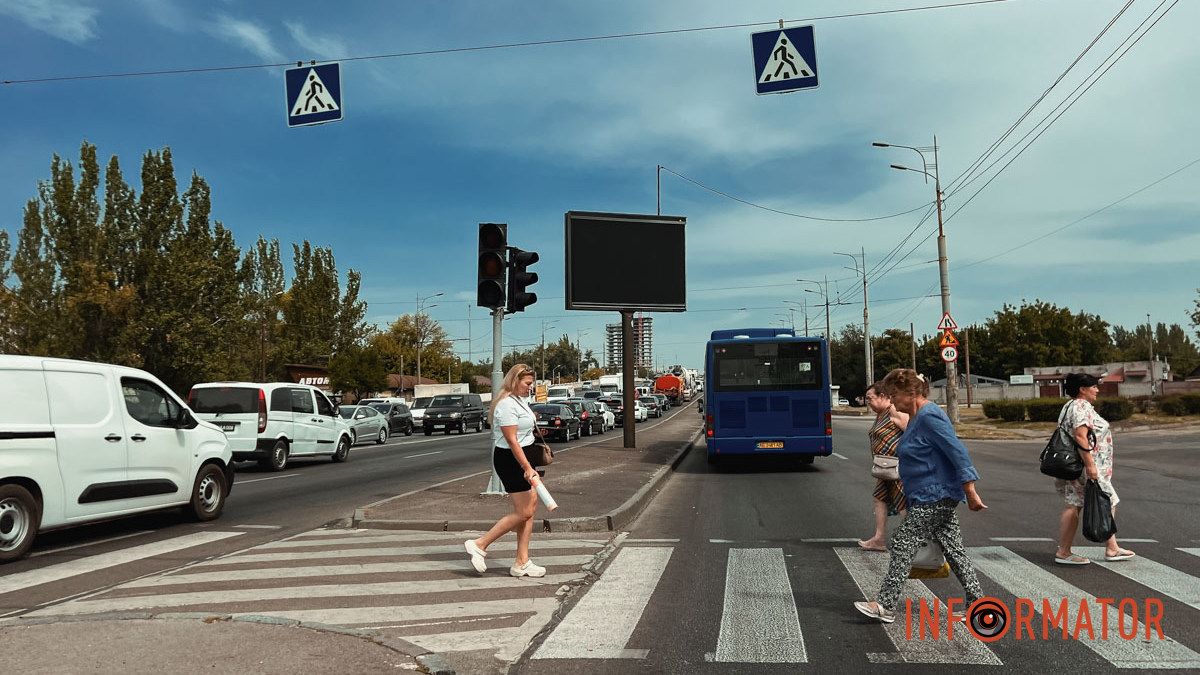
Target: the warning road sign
(314, 94)
(948, 340)
(949, 354)
(947, 322)
(784, 60)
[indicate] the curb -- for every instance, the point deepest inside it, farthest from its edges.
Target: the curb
(433, 662)
(608, 522)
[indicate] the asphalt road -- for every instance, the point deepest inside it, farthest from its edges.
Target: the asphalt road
(263, 506)
(735, 556)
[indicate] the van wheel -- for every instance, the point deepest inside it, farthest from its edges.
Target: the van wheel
(479, 425)
(382, 437)
(408, 431)
(20, 516)
(278, 459)
(208, 494)
(343, 450)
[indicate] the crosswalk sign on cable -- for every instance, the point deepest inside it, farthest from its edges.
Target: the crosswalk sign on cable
(784, 60)
(314, 94)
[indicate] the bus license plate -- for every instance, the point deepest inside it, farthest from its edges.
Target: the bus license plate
(770, 445)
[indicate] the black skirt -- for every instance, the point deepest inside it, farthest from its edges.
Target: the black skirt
(510, 471)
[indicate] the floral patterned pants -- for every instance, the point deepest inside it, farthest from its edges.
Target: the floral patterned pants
(935, 521)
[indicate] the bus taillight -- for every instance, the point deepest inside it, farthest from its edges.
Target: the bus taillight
(828, 423)
(708, 426)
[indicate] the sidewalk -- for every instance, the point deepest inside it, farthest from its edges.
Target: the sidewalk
(190, 643)
(599, 485)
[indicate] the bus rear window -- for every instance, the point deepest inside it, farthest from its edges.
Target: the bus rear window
(767, 366)
(224, 400)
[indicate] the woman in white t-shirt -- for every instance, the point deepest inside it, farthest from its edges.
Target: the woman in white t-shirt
(514, 427)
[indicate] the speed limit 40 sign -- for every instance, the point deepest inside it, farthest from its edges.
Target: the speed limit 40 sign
(949, 354)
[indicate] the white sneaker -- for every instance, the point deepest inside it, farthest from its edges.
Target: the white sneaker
(478, 555)
(527, 570)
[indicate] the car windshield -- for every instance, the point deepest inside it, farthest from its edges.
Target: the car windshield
(381, 407)
(224, 400)
(648, 399)
(447, 401)
(422, 402)
(548, 409)
(346, 412)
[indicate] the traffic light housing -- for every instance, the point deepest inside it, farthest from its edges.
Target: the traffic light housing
(493, 244)
(520, 278)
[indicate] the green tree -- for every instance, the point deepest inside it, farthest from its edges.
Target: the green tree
(357, 370)
(1169, 342)
(320, 320)
(848, 364)
(891, 350)
(397, 347)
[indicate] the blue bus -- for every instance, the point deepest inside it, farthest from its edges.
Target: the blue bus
(766, 392)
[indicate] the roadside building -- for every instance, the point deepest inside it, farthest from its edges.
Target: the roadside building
(1121, 378)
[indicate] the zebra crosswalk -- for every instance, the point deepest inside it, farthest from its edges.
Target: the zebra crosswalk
(417, 586)
(760, 624)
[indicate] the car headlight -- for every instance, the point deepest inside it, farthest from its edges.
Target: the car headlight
(456, 415)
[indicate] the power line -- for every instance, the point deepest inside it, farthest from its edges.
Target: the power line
(788, 213)
(506, 45)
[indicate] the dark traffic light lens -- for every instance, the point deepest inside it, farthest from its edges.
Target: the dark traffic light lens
(491, 266)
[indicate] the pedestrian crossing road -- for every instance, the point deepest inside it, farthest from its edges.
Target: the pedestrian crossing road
(771, 604)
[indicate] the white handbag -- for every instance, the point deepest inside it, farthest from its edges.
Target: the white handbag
(930, 562)
(884, 467)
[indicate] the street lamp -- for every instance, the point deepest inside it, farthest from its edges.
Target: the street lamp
(554, 375)
(867, 357)
(804, 309)
(420, 330)
(943, 265)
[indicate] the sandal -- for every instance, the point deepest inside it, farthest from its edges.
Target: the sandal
(1071, 560)
(863, 545)
(1122, 554)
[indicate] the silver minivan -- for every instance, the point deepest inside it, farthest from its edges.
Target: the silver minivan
(273, 422)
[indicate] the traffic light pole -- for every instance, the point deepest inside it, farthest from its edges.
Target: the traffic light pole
(629, 419)
(497, 349)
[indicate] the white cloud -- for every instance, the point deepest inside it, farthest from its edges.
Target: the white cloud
(69, 20)
(323, 46)
(247, 34)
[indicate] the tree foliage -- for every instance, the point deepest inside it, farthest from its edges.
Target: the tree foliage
(357, 370)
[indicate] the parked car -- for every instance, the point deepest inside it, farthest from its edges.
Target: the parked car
(664, 403)
(83, 441)
(418, 409)
(273, 422)
(454, 411)
(558, 420)
(591, 420)
(843, 402)
(653, 409)
(610, 419)
(365, 422)
(400, 420)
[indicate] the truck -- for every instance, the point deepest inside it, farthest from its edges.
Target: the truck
(610, 384)
(671, 386)
(426, 390)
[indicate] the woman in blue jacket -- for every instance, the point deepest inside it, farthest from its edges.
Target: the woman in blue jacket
(937, 474)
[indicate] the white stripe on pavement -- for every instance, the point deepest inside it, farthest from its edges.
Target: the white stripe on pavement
(1024, 579)
(759, 622)
(339, 570)
(257, 480)
(361, 552)
(153, 601)
(1192, 551)
(829, 540)
(599, 626)
(1020, 538)
(97, 542)
(45, 575)
(347, 616)
(382, 536)
(867, 569)
(840, 455)
(423, 454)
(259, 527)
(1155, 575)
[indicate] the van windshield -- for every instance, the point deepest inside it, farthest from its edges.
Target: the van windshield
(422, 403)
(450, 401)
(224, 400)
(559, 391)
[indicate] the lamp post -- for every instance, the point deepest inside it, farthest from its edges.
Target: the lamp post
(943, 265)
(804, 308)
(579, 345)
(868, 357)
(420, 328)
(554, 374)
(824, 286)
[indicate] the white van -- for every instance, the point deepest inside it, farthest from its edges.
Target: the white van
(273, 422)
(556, 394)
(82, 441)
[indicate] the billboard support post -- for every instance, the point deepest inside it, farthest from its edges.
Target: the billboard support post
(629, 418)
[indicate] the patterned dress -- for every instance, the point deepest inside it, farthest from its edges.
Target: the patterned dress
(1079, 413)
(884, 436)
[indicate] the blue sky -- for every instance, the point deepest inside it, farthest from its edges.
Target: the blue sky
(432, 145)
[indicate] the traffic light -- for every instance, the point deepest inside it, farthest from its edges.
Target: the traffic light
(493, 243)
(519, 278)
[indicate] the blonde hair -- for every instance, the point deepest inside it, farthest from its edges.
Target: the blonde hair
(507, 386)
(906, 381)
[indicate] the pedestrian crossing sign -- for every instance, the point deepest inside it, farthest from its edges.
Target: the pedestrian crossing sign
(784, 60)
(314, 94)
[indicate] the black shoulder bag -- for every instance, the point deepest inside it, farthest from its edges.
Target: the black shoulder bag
(1060, 458)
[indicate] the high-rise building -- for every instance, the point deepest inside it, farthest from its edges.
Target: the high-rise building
(643, 343)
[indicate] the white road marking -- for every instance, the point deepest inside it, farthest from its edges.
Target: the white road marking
(840, 456)
(256, 480)
(1166, 580)
(343, 552)
(259, 527)
(89, 543)
(599, 626)
(1024, 579)
(339, 570)
(868, 569)
(156, 600)
(759, 622)
(1139, 541)
(345, 616)
(1192, 551)
(51, 573)
(382, 536)
(423, 454)
(1020, 538)
(829, 540)
(651, 541)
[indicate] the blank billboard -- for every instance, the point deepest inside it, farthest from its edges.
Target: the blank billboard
(625, 261)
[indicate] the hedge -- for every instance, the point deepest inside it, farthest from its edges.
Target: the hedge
(1009, 411)
(1114, 409)
(1044, 409)
(1172, 405)
(1191, 402)
(991, 409)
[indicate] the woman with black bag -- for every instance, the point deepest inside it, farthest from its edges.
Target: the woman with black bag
(1093, 437)
(514, 427)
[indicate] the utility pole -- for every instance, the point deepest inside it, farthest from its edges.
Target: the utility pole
(867, 355)
(967, 355)
(1150, 339)
(497, 349)
(912, 339)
